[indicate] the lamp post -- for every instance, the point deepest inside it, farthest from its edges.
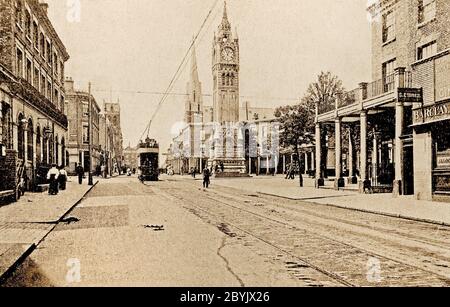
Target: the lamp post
(90, 179)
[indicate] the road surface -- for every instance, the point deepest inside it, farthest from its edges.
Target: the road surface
(174, 233)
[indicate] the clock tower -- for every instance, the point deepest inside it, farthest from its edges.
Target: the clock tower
(225, 69)
(227, 152)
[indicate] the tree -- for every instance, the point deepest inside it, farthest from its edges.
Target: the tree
(297, 125)
(324, 93)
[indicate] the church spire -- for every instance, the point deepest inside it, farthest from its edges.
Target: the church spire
(225, 25)
(194, 68)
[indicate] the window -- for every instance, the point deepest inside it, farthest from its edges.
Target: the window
(426, 50)
(49, 89)
(21, 137)
(28, 71)
(85, 109)
(30, 148)
(28, 24)
(49, 53)
(43, 83)
(36, 78)
(85, 134)
(19, 62)
(35, 35)
(19, 7)
(42, 45)
(427, 10)
(388, 75)
(388, 27)
(56, 96)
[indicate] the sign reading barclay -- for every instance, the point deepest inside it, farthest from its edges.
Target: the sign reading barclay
(437, 112)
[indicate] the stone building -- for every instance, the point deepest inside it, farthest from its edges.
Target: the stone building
(112, 113)
(32, 120)
(81, 135)
(397, 123)
(107, 142)
(130, 157)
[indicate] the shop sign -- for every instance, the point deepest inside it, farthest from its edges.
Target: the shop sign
(443, 160)
(431, 113)
(410, 95)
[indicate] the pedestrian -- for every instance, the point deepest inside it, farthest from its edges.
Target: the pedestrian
(103, 170)
(52, 176)
(292, 172)
(62, 178)
(206, 178)
(80, 172)
(288, 171)
(222, 167)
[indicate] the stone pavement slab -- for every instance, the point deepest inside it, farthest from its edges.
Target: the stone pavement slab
(385, 204)
(25, 223)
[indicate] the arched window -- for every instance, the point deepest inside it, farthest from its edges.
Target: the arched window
(45, 149)
(57, 150)
(223, 79)
(51, 150)
(63, 152)
(232, 79)
(30, 148)
(21, 137)
(228, 79)
(38, 145)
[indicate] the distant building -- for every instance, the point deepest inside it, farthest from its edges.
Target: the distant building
(112, 113)
(130, 156)
(77, 106)
(107, 142)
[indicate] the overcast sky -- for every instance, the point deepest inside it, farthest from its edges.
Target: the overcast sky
(134, 46)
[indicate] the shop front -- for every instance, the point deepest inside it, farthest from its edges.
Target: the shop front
(432, 152)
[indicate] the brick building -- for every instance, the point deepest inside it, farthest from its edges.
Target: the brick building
(32, 120)
(399, 118)
(78, 105)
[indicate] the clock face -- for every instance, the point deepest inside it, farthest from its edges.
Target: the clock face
(228, 54)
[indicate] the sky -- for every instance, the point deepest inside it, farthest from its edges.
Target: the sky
(127, 47)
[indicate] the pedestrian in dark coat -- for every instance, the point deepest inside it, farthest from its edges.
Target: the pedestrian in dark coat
(206, 178)
(80, 172)
(62, 178)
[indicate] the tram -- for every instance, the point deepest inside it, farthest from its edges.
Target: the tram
(148, 160)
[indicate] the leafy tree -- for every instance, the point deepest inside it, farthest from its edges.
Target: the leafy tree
(298, 121)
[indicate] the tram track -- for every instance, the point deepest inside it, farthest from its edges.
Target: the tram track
(239, 217)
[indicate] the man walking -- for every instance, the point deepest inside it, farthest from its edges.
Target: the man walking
(62, 178)
(80, 172)
(206, 176)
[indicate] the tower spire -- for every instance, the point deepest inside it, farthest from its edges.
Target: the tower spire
(225, 25)
(194, 68)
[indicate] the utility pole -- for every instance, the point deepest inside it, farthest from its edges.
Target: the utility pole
(90, 180)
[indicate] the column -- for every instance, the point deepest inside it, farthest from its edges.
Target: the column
(249, 165)
(284, 164)
(201, 165)
(267, 166)
(375, 158)
(319, 180)
(82, 159)
(339, 181)
(313, 161)
(363, 155)
(398, 154)
(351, 159)
(258, 167)
(306, 163)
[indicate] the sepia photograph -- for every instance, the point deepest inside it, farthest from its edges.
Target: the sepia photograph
(224, 149)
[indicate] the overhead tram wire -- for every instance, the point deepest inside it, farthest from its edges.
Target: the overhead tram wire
(177, 73)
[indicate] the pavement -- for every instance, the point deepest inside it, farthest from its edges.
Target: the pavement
(384, 204)
(26, 223)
